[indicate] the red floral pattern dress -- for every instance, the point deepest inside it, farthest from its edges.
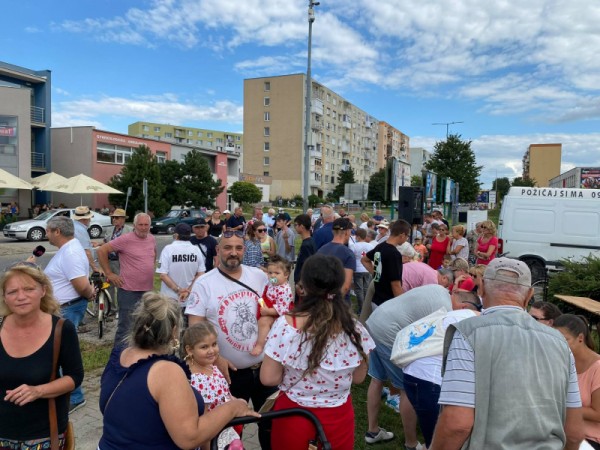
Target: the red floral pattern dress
(214, 388)
(328, 385)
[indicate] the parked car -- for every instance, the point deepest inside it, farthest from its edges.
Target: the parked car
(168, 223)
(35, 229)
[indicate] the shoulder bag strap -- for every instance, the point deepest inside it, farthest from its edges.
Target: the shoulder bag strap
(229, 277)
(52, 402)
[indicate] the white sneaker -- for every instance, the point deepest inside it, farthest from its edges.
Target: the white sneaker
(419, 446)
(382, 436)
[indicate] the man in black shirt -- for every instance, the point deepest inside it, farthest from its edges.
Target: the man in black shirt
(237, 221)
(307, 248)
(206, 243)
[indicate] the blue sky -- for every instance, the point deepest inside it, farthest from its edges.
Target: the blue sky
(515, 73)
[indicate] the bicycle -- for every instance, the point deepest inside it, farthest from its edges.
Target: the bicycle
(102, 305)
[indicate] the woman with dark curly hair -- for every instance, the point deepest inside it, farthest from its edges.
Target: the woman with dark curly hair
(314, 354)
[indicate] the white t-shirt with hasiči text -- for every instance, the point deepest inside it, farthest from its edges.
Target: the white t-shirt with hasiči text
(232, 309)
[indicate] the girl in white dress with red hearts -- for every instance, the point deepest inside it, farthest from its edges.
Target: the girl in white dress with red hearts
(201, 350)
(314, 354)
(276, 300)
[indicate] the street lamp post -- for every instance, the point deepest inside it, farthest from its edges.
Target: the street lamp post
(447, 126)
(311, 19)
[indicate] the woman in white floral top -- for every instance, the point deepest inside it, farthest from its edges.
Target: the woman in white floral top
(314, 354)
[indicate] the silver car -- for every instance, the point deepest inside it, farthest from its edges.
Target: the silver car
(35, 229)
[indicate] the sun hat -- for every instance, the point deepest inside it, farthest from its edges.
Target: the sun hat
(83, 212)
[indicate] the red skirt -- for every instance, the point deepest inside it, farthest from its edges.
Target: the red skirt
(295, 432)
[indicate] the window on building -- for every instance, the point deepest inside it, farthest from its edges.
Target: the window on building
(238, 138)
(266, 161)
(332, 179)
(209, 135)
(208, 143)
(115, 154)
(238, 147)
(199, 133)
(267, 131)
(267, 116)
(145, 128)
(266, 101)
(199, 142)
(219, 140)
(267, 146)
(266, 173)
(190, 133)
(168, 135)
(161, 157)
(157, 129)
(267, 85)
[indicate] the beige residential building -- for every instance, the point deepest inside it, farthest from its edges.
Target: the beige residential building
(342, 136)
(541, 163)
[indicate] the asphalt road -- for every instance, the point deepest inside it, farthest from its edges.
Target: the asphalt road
(12, 250)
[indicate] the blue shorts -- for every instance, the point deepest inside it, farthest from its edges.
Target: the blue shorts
(382, 369)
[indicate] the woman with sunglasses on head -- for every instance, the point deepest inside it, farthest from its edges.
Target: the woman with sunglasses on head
(315, 353)
(545, 312)
(30, 315)
(253, 256)
(487, 243)
(576, 331)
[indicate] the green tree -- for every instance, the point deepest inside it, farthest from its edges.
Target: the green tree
(244, 192)
(453, 158)
(142, 164)
(416, 180)
(501, 186)
(526, 182)
(376, 191)
(344, 177)
(314, 200)
(197, 185)
(170, 175)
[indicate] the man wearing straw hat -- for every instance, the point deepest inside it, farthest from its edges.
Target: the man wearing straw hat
(82, 218)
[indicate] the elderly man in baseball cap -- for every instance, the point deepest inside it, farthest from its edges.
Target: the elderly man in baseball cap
(524, 393)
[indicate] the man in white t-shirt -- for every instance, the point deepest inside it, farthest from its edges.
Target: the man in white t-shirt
(68, 271)
(179, 265)
(228, 298)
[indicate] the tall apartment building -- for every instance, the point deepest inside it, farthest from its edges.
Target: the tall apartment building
(541, 163)
(395, 146)
(24, 128)
(222, 141)
(342, 136)
(418, 157)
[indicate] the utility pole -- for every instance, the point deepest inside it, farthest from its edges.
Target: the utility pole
(447, 126)
(306, 190)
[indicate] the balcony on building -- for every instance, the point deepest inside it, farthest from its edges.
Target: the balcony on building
(38, 162)
(316, 106)
(315, 152)
(316, 122)
(345, 147)
(38, 117)
(314, 179)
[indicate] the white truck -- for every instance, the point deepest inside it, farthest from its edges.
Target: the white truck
(542, 226)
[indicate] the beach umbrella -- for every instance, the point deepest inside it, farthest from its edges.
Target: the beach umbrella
(81, 184)
(46, 180)
(9, 181)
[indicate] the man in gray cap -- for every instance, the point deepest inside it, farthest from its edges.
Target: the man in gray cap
(509, 382)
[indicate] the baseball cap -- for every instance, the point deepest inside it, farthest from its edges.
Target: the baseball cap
(519, 268)
(183, 229)
(280, 217)
(459, 264)
(200, 222)
(342, 224)
(226, 212)
(466, 285)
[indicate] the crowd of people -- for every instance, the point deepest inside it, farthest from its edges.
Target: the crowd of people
(428, 311)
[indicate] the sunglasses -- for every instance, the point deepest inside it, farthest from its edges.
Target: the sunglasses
(261, 230)
(228, 234)
(538, 318)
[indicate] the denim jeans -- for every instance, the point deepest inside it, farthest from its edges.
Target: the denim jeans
(75, 314)
(361, 284)
(424, 397)
(128, 300)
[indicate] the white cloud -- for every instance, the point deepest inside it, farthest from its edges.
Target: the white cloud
(160, 108)
(31, 29)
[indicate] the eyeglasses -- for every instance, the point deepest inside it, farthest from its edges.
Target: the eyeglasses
(261, 230)
(228, 234)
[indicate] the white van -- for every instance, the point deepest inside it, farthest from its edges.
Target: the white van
(542, 226)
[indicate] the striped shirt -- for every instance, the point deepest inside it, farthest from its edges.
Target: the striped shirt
(458, 384)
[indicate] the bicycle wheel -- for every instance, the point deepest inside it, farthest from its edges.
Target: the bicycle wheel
(108, 306)
(100, 329)
(103, 311)
(92, 308)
